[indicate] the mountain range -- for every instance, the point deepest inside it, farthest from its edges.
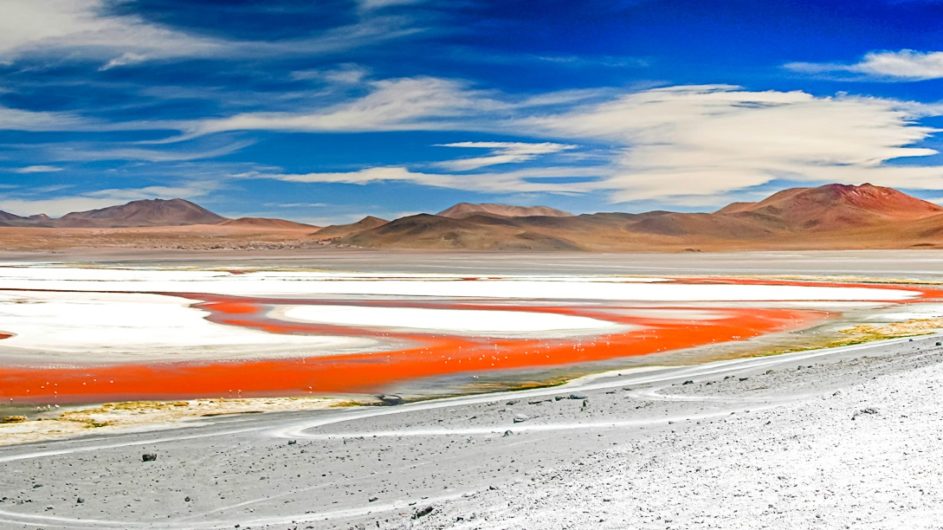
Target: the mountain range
(150, 212)
(835, 216)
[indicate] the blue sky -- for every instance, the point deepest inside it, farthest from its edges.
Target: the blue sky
(327, 111)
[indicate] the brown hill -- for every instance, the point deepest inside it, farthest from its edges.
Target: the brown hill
(465, 209)
(151, 212)
(335, 231)
(267, 223)
(835, 206)
(9, 219)
(832, 216)
(426, 231)
(828, 217)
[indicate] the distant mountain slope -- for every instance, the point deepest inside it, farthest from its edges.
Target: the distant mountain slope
(836, 206)
(333, 231)
(151, 212)
(831, 216)
(465, 209)
(834, 216)
(265, 222)
(431, 232)
(9, 219)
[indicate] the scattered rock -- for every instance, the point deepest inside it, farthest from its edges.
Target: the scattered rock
(372, 499)
(292, 442)
(688, 382)
(508, 432)
(866, 410)
(520, 418)
(391, 399)
(577, 396)
(80, 500)
(149, 457)
(423, 512)
(13, 419)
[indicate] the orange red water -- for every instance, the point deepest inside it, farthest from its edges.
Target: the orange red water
(411, 355)
(425, 355)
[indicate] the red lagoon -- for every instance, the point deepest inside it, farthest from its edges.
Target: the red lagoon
(425, 355)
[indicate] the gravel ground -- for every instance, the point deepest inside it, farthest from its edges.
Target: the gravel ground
(867, 455)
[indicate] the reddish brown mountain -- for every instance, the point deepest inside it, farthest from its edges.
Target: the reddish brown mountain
(466, 209)
(266, 222)
(832, 216)
(836, 206)
(152, 212)
(480, 232)
(335, 231)
(6, 217)
(9, 219)
(828, 217)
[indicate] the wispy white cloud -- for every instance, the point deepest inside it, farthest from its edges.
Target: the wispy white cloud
(345, 74)
(91, 30)
(391, 105)
(401, 104)
(123, 60)
(690, 141)
(608, 61)
(368, 5)
(902, 65)
(26, 120)
(86, 29)
(362, 176)
(545, 180)
(500, 153)
(37, 169)
(60, 205)
(82, 152)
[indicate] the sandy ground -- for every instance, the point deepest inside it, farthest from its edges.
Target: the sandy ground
(123, 417)
(847, 437)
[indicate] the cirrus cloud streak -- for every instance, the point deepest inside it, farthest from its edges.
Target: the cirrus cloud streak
(902, 65)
